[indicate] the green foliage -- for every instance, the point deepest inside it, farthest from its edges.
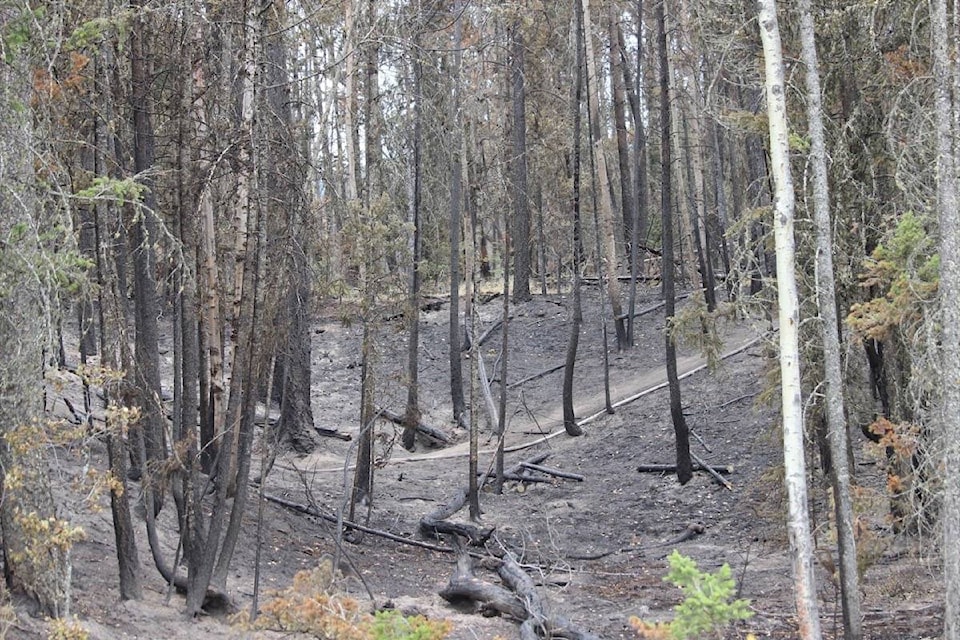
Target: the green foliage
(707, 607)
(120, 190)
(905, 271)
(15, 32)
(393, 625)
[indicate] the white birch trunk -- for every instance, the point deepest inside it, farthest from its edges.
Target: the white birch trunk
(944, 76)
(798, 524)
(827, 300)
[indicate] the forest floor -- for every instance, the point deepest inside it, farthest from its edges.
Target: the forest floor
(616, 512)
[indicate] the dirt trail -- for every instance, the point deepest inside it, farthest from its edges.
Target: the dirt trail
(626, 385)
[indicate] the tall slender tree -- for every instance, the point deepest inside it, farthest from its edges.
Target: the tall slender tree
(680, 429)
(827, 301)
(798, 528)
(945, 47)
(518, 163)
(456, 216)
(576, 312)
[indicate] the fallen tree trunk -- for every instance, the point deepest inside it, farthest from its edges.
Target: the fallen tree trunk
(434, 524)
(430, 432)
(539, 622)
(552, 472)
(535, 376)
(713, 472)
(493, 599)
(329, 517)
(333, 433)
(672, 468)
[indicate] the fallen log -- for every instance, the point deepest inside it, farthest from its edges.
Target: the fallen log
(493, 599)
(692, 530)
(537, 622)
(333, 433)
(713, 473)
(434, 524)
(535, 376)
(672, 468)
(430, 432)
(552, 472)
(329, 517)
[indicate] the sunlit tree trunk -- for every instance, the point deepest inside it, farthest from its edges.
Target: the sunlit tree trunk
(827, 300)
(801, 542)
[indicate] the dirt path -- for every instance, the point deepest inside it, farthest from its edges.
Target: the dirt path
(626, 386)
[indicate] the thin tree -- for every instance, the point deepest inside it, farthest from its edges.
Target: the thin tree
(145, 233)
(827, 301)
(576, 313)
(945, 77)
(518, 164)
(414, 197)
(795, 471)
(456, 215)
(608, 259)
(680, 429)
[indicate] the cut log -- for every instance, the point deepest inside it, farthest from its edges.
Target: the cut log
(432, 433)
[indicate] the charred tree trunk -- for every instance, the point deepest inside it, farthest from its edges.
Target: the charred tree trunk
(576, 320)
(681, 432)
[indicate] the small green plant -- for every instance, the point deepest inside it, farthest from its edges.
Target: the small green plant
(706, 608)
(393, 625)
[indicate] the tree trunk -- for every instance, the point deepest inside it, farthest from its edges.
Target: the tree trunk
(414, 177)
(114, 348)
(605, 210)
(576, 313)
(789, 316)
(518, 164)
(456, 215)
(627, 202)
(681, 432)
(35, 561)
(145, 234)
(285, 180)
(946, 78)
(827, 301)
